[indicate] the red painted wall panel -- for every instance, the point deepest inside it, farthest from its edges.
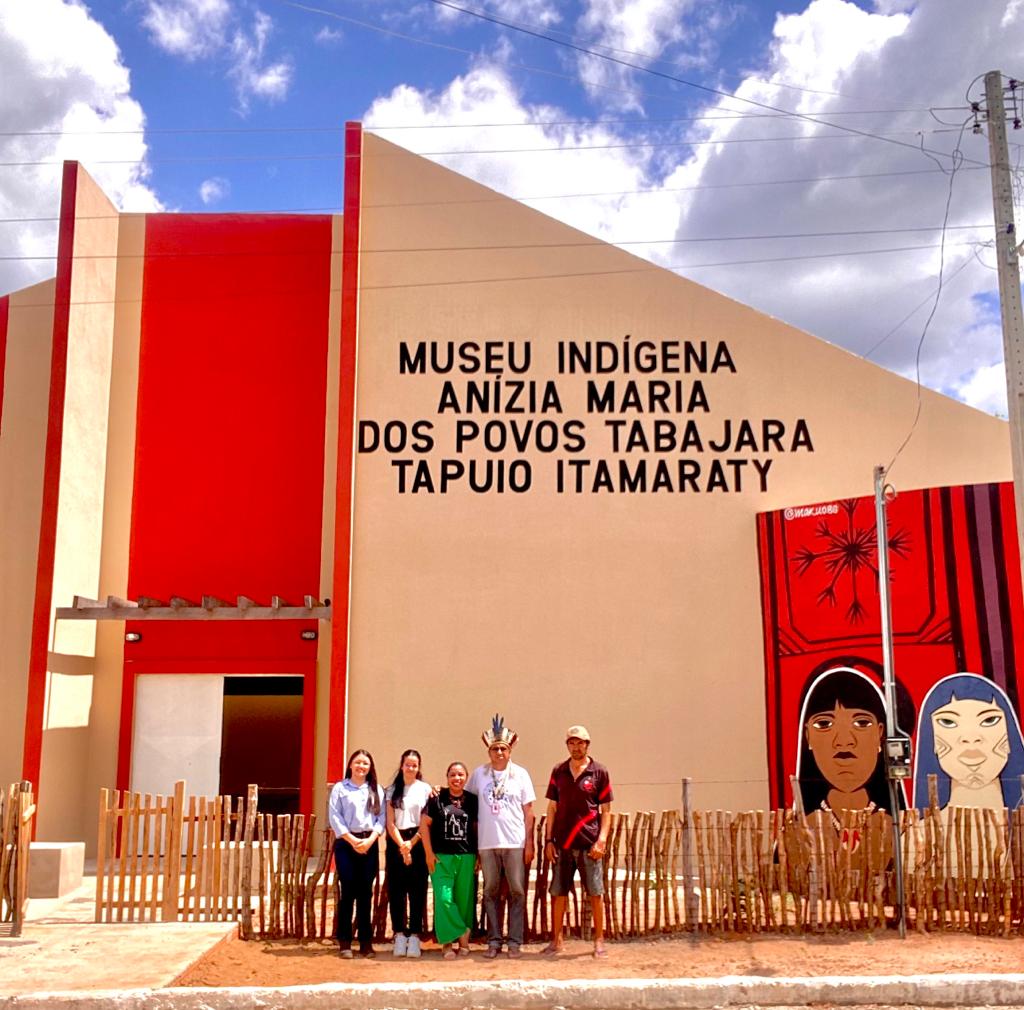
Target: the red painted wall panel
(228, 491)
(5, 303)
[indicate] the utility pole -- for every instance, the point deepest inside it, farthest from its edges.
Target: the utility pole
(1008, 248)
(897, 742)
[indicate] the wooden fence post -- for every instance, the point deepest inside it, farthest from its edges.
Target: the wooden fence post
(172, 857)
(690, 905)
(25, 814)
(245, 885)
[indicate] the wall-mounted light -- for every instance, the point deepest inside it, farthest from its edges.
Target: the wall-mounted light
(132, 636)
(308, 636)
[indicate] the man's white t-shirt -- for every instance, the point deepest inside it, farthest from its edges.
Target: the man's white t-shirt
(501, 823)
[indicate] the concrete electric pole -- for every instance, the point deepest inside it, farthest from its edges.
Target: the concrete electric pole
(1008, 249)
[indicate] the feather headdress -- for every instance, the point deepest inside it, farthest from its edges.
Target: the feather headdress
(499, 733)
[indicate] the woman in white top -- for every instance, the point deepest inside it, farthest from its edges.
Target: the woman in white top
(405, 862)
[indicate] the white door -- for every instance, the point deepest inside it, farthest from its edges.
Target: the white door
(178, 721)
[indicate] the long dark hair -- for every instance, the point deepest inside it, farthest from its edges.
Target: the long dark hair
(852, 689)
(371, 778)
(398, 786)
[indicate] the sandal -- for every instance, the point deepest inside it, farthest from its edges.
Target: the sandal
(464, 951)
(449, 954)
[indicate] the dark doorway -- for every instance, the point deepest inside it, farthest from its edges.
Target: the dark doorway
(261, 740)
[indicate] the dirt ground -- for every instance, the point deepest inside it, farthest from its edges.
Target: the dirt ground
(290, 962)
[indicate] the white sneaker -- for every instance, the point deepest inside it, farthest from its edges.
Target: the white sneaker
(401, 947)
(413, 950)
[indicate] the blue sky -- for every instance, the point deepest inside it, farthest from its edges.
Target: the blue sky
(237, 105)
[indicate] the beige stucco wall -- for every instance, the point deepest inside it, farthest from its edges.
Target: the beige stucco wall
(104, 720)
(22, 452)
(76, 570)
(638, 614)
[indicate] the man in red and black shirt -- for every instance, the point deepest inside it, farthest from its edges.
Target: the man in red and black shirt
(576, 832)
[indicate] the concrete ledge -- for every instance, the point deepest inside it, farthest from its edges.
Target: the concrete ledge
(55, 868)
(606, 994)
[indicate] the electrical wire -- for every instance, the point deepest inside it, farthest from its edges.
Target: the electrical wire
(498, 197)
(533, 123)
(935, 304)
(595, 243)
(917, 308)
(707, 89)
(645, 267)
(470, 152)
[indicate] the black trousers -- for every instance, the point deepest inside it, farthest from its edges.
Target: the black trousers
(407, 887)
(356, 874)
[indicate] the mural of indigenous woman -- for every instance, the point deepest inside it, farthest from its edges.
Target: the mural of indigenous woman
(839, 764)
(969, 737)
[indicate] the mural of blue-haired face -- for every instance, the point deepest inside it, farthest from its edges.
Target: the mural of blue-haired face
(969, 738)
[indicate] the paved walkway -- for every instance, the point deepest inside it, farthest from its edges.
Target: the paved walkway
(919, 991)
(61, 948)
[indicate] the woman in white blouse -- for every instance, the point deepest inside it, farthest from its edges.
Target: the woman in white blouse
(406, 866)
(356, 812)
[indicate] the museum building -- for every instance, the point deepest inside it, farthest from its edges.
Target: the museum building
(275, 486)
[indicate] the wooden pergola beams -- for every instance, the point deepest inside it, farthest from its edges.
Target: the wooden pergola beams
(177, 608)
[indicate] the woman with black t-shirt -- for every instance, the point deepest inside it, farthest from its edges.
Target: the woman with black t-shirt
(448, 828)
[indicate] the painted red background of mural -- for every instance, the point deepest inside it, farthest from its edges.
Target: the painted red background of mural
(956, 599)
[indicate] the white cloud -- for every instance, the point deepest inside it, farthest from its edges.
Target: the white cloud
(214, 189)
(901, 58)
(536, 13)
(573, 160)
(898, 60)
(251, 74)
(985, 388)
(639, 32)
(328, 36)
(214, 29)
(70, 102)
(188, 28)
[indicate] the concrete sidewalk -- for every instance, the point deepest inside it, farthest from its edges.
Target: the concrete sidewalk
(61, 947)
(634, 994)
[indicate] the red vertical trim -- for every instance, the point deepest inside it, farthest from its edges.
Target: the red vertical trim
(35, 702)
(770, 621)
(308, 740)
(1011, 554)
(346, 419)
(5, 304)
(124, 734)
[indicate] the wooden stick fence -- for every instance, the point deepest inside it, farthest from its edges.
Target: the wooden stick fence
(17, 812)
(702, 872)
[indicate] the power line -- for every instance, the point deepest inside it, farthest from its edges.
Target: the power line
(252, 130)
(935, 304)
(678, 80)
(707, 89)
(535, 197)
(646, 267)
(920, 305)
(540, 247)
(331, 156)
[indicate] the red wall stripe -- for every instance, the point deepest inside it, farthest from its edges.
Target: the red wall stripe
(40, 644)
(228, 488)
(5, 304)
(336, 743)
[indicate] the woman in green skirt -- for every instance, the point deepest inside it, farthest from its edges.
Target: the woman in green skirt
(448, 830)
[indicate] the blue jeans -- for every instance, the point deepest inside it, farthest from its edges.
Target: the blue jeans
(507, 862)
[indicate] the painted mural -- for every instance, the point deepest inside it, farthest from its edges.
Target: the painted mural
(958, 620)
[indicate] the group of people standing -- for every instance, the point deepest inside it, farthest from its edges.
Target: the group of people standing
(442, 834)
